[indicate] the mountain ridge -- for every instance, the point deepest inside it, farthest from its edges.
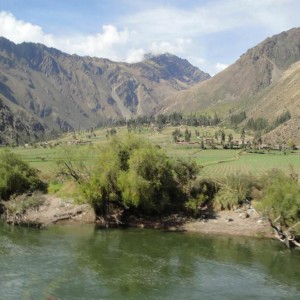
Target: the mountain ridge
(255, 70)
(65, 92)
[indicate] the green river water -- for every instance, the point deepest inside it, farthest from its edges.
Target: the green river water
(81, 262)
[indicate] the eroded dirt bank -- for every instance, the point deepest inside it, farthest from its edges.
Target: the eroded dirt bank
(54, 210)
(232, 223)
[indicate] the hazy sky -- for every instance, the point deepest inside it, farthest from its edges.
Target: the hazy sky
(210, 34)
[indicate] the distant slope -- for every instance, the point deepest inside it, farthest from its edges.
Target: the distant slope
(256, 70)
(281, 97)
(16, 126)
(64, 91)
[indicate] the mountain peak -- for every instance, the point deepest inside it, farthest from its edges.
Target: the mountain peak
(65, 91)
(174, 66)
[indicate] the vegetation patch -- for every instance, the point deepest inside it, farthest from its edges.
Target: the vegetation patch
(16, 176)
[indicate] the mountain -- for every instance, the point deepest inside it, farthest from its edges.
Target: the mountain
(281, 97)
(18, 126)
(62, 92)
(44, 89)
(243, 83)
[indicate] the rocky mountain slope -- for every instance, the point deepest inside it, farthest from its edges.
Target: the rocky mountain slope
(282, 96)
(61, 91)
(43, 88)
(16, 125)
(243, 83)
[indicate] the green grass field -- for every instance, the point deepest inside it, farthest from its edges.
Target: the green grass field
(216, 162)
(255, 164)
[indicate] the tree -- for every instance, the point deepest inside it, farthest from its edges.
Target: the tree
(72, 163)
(237, 118)
(16, 176)
(202, 146)
(223, 137)
(133, 173)
(187, 135)
(149, 183)
(281, 203)
(230, 140)
(243, 135)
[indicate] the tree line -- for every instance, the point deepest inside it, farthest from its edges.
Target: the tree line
(259, 124)
(173, 119)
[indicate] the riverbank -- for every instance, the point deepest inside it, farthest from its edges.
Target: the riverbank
(53, 210)
(232, 223)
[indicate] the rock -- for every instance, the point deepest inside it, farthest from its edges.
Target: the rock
(244, 215)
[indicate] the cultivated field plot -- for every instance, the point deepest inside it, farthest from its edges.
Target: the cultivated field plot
(215, 162)
(256, 164)
(45, 159)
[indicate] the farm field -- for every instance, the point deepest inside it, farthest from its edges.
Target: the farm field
(215, 162)
(255, 164)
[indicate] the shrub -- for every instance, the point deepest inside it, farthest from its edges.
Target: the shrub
(201, 197)
(16, 176)
(281, 198)
(133, 173)
(235, 190)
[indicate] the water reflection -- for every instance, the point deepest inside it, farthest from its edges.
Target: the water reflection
(81, 262)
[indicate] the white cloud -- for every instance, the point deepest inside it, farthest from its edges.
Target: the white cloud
(19, 31)
(213, 17)
(135, 55)
(220, 67)
(195, 32)
(100, 44)
(179, 46)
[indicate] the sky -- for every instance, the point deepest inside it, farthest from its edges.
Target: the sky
(211, 34)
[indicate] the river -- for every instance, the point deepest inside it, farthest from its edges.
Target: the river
(81, 262)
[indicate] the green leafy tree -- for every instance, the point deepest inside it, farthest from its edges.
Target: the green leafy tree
(187, 135)
(281, 203)
(133, 173)
(223, 137)
(16, 176)
(281, 198)
(149, 183)
(243, 136)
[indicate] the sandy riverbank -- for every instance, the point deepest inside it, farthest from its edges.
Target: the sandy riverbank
(55, 210)
(231, 223)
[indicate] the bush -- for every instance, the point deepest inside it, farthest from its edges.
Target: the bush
(281, 198)
(133, 173)
(226, 200)
(235, 190)
(16, 176)
(201, 197)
